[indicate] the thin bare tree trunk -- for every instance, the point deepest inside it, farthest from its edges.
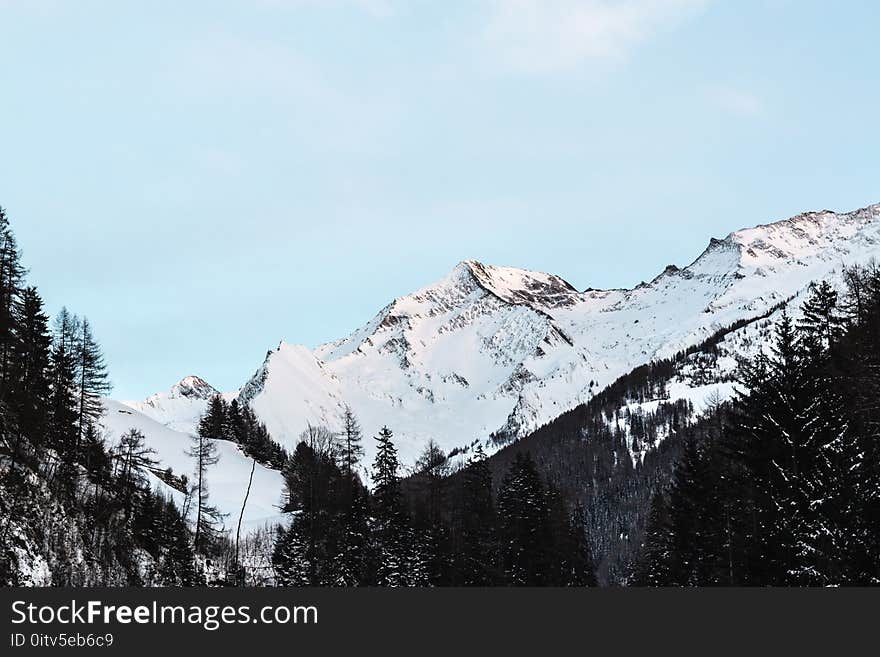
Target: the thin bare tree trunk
(199, 508)
(241, 515)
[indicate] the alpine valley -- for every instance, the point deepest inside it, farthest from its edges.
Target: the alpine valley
(599, 391)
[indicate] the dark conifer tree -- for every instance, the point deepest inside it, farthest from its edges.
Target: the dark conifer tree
(30, 395)
(177, 566)
(214, 423)
(522, 514)
(133, 461)
(11, 278)
(429, 519)
(352, 450)
(770, 437)
(477, 556)
(657, 549)
(307, 552)
(394, 558)
(64, 407)
(822, 319)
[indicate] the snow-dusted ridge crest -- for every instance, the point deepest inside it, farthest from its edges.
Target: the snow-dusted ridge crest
(490, 353)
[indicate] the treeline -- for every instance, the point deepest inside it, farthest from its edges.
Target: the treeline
(73, 510)
(785, 490)
(428, 529)
(238, 424)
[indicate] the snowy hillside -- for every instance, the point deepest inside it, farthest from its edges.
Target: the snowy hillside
(228, 479)
(490, 353)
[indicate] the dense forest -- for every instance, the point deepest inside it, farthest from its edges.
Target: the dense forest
(785, 488)
(779, 486)
(427, 530)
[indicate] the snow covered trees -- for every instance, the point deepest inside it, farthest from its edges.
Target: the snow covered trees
(325, 543)
(541, 544)
(789, 494)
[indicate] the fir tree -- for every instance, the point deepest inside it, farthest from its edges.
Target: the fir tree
(657, 549)
(93, 381)
(63, 430)
(30, 396)
(11, 278)
(393, 541)
(522, 514)
(214, 423)
(307, 552)
(477, 557)
(822, 321)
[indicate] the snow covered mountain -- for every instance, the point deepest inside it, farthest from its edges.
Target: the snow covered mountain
(180, 407)
(496, 351)
(487, 354)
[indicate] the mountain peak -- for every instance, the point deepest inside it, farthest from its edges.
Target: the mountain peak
(521, 286)
(193, 387)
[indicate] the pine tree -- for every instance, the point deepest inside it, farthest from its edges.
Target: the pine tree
(214, 423)
(11, 278)
(30, 395)
(477, 557)
(857, 365)
(177, 566)
(657, 549)
(429, 518)
(308, 552)
(822, 321)
(352, 450)
(203, 451)
(522, 514)
(393, 542)
(351, 566)
(773, 421)
(64, 407)
(386, 482)
(133, 461)
(696, 535)
(93, 381)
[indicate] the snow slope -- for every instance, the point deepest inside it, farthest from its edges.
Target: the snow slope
(227, 481)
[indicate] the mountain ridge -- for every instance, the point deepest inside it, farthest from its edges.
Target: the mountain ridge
(489, 353)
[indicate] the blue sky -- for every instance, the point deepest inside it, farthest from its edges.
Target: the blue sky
(203, 179)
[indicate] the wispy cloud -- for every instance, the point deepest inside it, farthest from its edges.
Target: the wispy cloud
(735, 100)
(537, 36)
(378, 8)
